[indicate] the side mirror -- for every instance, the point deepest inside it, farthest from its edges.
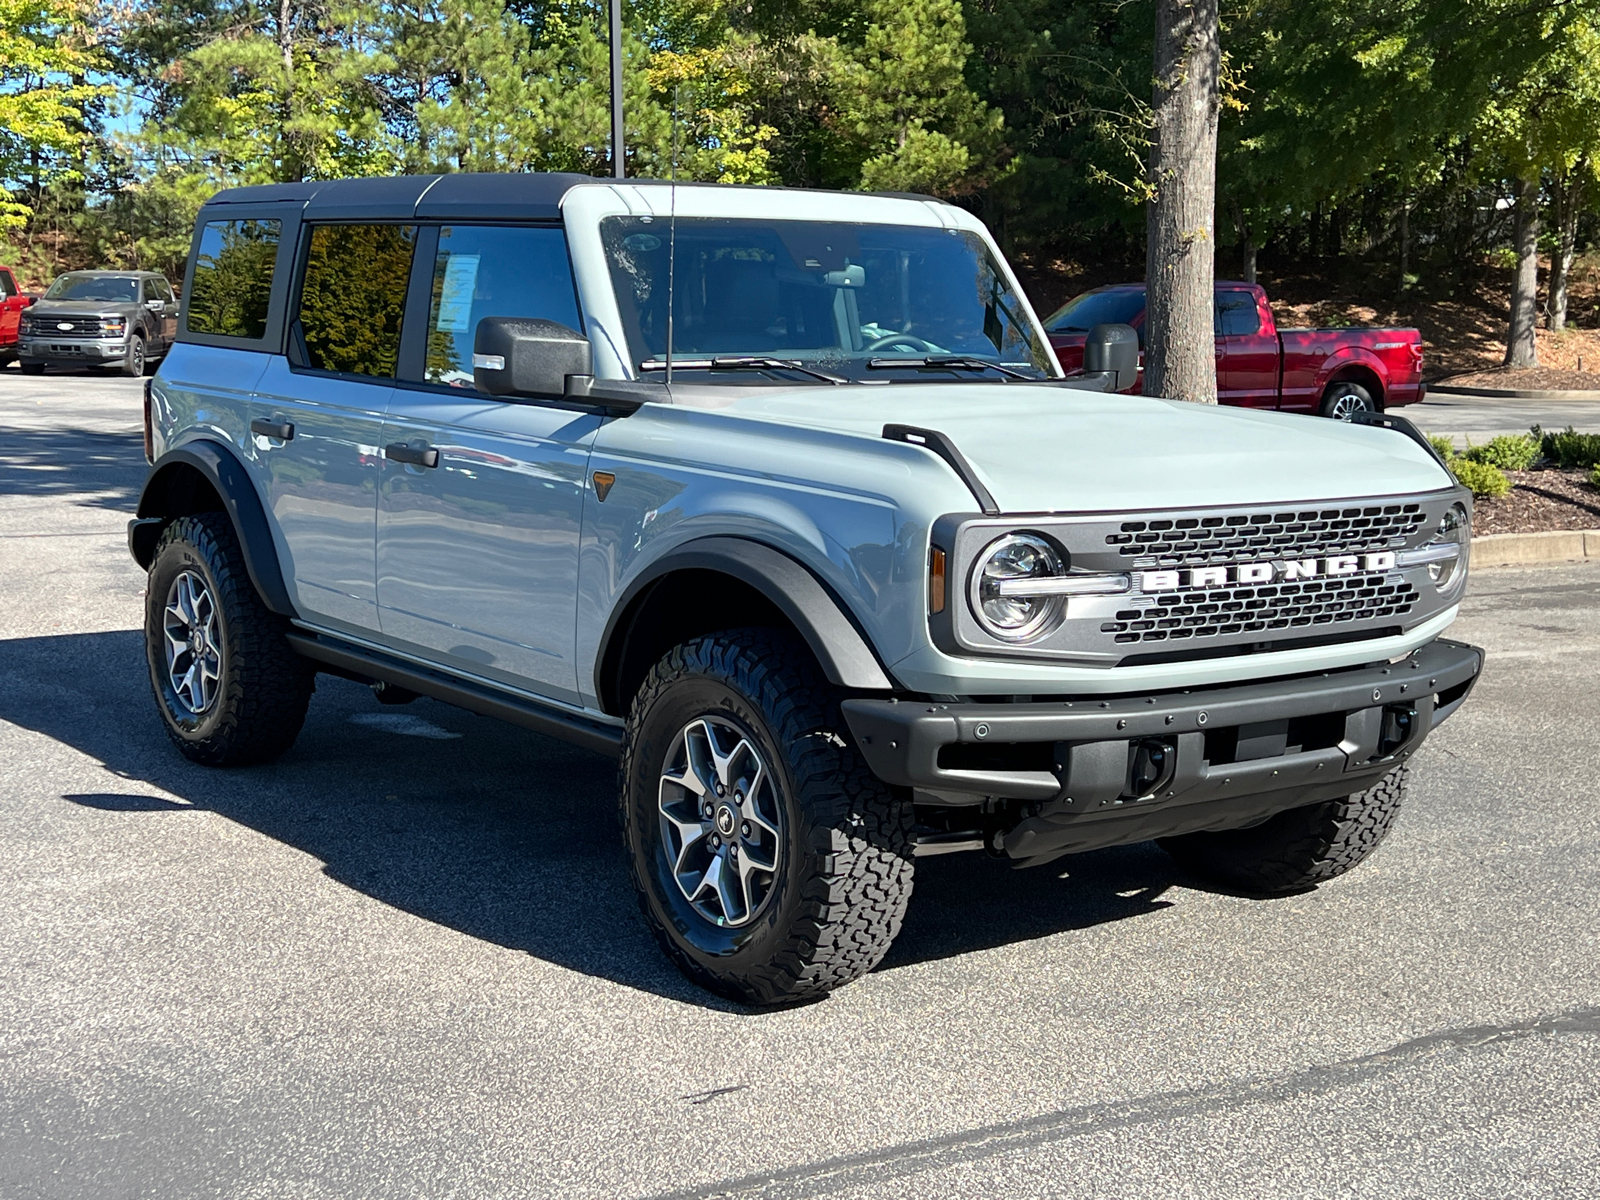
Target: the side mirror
(155, 305)
(1113, 350)
(523, 356)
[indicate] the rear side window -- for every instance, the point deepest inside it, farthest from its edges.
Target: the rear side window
(233, 278)
(353, 296)
(8, 286)
(493, 271)
(1237, 315)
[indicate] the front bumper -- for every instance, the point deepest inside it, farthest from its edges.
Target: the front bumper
(1094, 772)
(44, 349)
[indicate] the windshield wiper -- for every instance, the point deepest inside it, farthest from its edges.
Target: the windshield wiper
(957, 362)
(741, 362)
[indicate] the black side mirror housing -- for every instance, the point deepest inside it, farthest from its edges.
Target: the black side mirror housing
(529, 356)
(1113, 350)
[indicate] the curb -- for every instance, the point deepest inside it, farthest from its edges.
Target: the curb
(1438, 389)
(1528, 549)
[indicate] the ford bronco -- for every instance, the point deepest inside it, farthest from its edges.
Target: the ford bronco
(781, 499)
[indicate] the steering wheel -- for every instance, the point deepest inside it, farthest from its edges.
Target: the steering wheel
(904, 340)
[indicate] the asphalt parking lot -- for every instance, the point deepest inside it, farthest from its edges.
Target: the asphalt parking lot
(404, 960)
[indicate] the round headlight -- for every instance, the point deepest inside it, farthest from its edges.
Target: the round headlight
(1000, 598)
(1455, 527)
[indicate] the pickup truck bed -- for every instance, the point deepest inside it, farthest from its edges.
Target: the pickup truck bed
(1258, 364)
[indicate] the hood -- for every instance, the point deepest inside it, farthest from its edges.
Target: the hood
(1047, 449)
(82, 308)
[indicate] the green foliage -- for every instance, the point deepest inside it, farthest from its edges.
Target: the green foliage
(1487, 482)
(1509, 452)
(354, 295)
(1569, 449)
(1444, 445)
(1594, 477)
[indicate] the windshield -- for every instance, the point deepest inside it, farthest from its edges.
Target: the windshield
(857, 301)
(1096, 308)
(93, 287)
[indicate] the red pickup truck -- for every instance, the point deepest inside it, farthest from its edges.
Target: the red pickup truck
(12, 301)
(1335, 372)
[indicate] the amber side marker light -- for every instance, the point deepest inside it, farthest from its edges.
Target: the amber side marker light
(936, 588)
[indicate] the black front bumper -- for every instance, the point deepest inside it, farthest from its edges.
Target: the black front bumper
(1092, 772)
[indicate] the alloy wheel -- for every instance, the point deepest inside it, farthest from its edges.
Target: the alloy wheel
(1348, 405)
(721, 821)
(194, 655)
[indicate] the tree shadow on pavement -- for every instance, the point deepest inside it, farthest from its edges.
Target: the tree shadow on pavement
(99, 470)
(486, 828)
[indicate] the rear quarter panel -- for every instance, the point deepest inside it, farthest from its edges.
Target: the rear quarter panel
(1313, 358)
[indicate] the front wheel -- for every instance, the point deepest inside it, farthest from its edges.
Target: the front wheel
(1297, 849)
(229, 688)
(772, 865)
(133, 363)
(1342, 401)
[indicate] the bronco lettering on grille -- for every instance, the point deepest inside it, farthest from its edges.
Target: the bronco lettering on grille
(1265, 572)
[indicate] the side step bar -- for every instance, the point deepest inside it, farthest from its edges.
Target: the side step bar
(345, 658)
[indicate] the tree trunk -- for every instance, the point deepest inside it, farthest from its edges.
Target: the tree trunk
(1247, 243)
(1566, 244)
(1180, 253)
(1521, 348)
(292, 166)
(1405, 245)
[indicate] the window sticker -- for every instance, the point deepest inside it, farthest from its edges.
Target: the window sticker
(455, 298)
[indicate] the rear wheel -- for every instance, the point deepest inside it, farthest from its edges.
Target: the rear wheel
(1342, 401)
(772, 865)
(1297, 849)
(229, 688)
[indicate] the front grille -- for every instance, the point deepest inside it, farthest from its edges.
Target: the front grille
(1265, 608)
(1252, 537)
(50, 327)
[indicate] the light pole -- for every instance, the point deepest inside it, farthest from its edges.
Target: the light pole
(618, 157)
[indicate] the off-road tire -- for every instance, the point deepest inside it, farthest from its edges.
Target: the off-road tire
(133, 364)
(845, 878)
(1344, 396)
(1297, 849)
(265, 687)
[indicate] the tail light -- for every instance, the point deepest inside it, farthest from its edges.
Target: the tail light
(149, 432)
(1416, 353)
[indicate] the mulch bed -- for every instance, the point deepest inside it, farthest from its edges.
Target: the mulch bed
(1529, 379)
(1540, 501)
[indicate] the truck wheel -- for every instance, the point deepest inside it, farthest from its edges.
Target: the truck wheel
(1344, 400)
(229, 688)
(1297, 849)
(771, 863)
(32, 368)
(133, 364)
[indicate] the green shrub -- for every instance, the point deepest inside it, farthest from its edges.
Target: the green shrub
(1487, 482)
(1445, 446)
(1509, 452)
(1594, 477)
(1569, 448)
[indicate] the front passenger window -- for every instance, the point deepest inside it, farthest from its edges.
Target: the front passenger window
(493, 271)
(353, 297)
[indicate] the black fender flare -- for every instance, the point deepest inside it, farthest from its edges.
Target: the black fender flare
(229, 478)
(843, 652)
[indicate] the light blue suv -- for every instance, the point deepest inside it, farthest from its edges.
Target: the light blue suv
(780, 498)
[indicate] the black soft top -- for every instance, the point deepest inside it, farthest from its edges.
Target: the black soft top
(441, 197)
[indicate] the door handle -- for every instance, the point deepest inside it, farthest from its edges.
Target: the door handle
(282, 430)
(416, 456)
